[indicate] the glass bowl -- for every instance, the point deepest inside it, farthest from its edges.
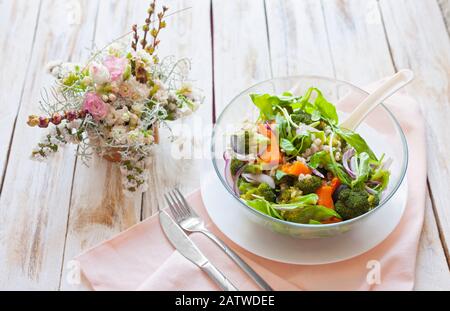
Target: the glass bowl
(380, 129)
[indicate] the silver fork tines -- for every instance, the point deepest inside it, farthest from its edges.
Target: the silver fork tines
(188, 219)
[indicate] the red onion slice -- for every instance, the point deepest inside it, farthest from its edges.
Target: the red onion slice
(353, 164)
(260, 178)
(348, 156)
(370, 190)
(317, 173)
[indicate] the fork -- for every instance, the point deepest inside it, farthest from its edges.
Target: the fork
(188, 219)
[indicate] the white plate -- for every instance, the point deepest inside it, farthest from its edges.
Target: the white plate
(231, 219)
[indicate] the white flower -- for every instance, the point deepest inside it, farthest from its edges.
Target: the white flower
(135, 136)
(116, 49)
(122, 115)
(138, 108)
(111, 117)
(99, 73)
(145, 57)
(119, 134)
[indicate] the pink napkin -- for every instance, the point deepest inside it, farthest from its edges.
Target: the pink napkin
(141, 258)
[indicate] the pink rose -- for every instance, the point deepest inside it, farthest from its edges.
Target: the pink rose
(116, 66)
(95, 106)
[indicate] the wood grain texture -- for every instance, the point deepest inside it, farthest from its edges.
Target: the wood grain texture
(19, 21)
(445, 8)
(413, 46)
(358, 45)
(298, 41)
(431, 274)
(99, 208)
(356, 37)
(241, 51)
(35, 199)
(188, 35)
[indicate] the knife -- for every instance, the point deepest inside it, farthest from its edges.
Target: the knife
(187, 248)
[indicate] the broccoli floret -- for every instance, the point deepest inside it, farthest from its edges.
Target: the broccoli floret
(309, 184)
(251, 192)
(253, 169)
(301, 116)
(288, 195)
(235, 165)
(352, 203)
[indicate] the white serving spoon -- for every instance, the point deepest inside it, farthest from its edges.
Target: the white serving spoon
(384, 91)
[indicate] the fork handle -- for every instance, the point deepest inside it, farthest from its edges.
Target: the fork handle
(238, 260)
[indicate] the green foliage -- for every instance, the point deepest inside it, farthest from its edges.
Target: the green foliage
(356, 141)
(309, 184)
(235, 165)
(352, 203)
(250, 192)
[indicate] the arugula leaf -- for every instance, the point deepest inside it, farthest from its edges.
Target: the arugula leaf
(264, 207)
(356, 141)
(320, 109)
(362, 169)
(287, 146)
(314, 222)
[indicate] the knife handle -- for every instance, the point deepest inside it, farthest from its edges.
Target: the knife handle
(218, 277)
(239, 261)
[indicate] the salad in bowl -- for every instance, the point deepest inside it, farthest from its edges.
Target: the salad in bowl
(294, 163)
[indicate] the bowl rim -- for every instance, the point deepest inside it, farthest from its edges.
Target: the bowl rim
(311, 226)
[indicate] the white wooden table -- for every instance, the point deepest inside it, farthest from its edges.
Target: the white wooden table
(50, 212)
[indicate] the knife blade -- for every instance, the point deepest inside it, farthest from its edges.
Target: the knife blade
(190, 251)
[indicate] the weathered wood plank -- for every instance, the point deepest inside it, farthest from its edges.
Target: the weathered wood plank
(298, 38)
(356, 36)
(425, 48)
(445, 9)
(430, 248)
(35, 199)
(99, 208)
(188, 35)
(241, 51)
(18, 21)
(358, 45)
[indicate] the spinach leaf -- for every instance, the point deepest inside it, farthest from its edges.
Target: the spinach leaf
(265, 105)
(264, 207)
(309, 199)
(356, 141)
(315, 213)
(327, 109)
(279, 175)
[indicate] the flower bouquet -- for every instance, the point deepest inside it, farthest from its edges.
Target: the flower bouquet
(113, 104)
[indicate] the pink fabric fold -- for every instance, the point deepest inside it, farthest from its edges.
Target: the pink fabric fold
(141, 258)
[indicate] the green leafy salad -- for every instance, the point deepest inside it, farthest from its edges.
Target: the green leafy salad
(296, 164)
